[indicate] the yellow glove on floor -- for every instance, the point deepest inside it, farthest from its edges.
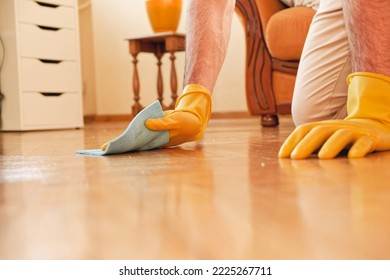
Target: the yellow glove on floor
(187, 122)
(364, 130)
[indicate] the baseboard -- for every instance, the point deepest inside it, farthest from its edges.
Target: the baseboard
(129, 117)
(231, 115)
(108, 118)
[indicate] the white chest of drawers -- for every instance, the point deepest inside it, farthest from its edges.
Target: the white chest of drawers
(41, 75)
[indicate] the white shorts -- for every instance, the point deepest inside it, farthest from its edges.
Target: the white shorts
(321, 90)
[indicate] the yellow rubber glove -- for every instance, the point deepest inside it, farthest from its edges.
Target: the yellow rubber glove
(187, 122)
(364, 130)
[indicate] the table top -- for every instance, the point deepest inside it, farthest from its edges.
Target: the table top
(157, 43)
(157, 37)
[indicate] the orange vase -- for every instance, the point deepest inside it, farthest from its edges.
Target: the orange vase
(164, 15)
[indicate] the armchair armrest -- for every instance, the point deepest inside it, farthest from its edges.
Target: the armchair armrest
(259, 95)
(268, 8)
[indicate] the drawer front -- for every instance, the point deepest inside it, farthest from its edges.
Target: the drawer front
(57, 111)
(50, 76)
(71, 3)
(53, 16)
(39, 43)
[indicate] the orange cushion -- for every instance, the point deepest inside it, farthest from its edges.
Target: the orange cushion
(286, 32)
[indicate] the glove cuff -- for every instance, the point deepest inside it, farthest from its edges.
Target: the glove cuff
(369, 97)
(368, 75)
(195, 88)
(195, 98)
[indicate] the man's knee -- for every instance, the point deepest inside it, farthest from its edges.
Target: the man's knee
(308, 107)
(302, 112)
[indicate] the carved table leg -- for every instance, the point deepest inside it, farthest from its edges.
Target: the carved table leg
(137, 107)
(160, 84)
(173, 81)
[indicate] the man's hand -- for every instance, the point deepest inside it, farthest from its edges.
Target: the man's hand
(364, 130)
(187, 122)
(360, 136)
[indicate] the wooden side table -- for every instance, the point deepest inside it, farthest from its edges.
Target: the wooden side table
(158, 44)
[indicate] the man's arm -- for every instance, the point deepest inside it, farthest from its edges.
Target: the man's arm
(208, 30)
(368, 24)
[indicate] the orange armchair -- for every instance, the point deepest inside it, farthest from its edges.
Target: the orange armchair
(275, 35)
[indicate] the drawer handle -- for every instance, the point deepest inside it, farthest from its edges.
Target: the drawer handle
(43, 4)
(51, 61)
(48, 28)
(51, 93)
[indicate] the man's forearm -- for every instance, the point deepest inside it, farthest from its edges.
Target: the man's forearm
(368, 25)
(208, 31)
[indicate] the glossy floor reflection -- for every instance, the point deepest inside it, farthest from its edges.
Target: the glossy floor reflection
(225, 197)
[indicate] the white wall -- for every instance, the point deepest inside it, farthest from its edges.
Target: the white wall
(115, 20)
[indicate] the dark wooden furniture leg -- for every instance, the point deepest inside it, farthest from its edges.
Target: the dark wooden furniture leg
(269, 120)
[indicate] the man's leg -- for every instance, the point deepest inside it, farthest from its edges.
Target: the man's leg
(321, 89)
(208, 30)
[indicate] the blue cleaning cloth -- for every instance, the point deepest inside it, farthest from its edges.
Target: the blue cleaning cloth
(136, 137)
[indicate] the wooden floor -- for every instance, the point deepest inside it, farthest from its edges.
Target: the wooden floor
(226, 197)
